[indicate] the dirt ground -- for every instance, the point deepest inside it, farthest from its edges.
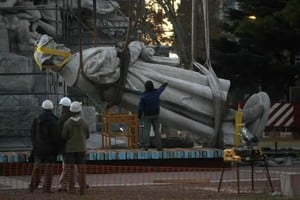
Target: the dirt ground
(157, 191)
(141, 186)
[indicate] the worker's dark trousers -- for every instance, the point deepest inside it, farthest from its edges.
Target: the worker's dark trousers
(79, 159)
(43, 166)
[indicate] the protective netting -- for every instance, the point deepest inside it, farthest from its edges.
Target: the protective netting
(145, 182)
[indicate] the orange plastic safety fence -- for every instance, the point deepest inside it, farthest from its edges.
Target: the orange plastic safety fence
(144, 182)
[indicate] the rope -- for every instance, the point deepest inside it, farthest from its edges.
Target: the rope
(124, 55)
(124, 65)
(206, 32)
(219, 99)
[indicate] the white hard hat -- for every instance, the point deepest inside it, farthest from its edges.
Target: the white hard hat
(75, 107)
(47, 105)
(65, 101)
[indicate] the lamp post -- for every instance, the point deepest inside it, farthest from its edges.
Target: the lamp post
(252, 17)
(193, 34)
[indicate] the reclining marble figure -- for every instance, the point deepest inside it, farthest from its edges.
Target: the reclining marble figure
(186, 104)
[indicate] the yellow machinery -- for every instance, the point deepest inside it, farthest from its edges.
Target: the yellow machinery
(249, 153)
(119, 125)
(238, 125)
(231, 156)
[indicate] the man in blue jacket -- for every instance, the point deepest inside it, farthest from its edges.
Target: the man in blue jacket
(148, 111)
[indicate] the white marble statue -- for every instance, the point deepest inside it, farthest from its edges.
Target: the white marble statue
(26, 24)
(188, 102)
(22, 24)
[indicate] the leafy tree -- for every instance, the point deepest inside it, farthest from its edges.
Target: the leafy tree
(260, 50)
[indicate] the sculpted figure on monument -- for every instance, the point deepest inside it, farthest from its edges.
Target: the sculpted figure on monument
(26, 20)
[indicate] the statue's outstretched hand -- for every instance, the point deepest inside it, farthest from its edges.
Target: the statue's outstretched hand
(165, 84)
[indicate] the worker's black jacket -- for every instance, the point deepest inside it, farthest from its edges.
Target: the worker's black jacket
(44, 134)
(61, 121)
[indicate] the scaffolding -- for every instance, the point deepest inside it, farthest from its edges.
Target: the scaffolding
(77, 28)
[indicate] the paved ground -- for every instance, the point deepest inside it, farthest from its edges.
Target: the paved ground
(187, 185)
(161, 185)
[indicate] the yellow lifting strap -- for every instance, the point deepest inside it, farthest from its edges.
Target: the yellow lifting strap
(54, 52)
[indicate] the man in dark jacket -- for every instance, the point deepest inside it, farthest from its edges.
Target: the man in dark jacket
(65, 102)
(148, 111)
(44, 141)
